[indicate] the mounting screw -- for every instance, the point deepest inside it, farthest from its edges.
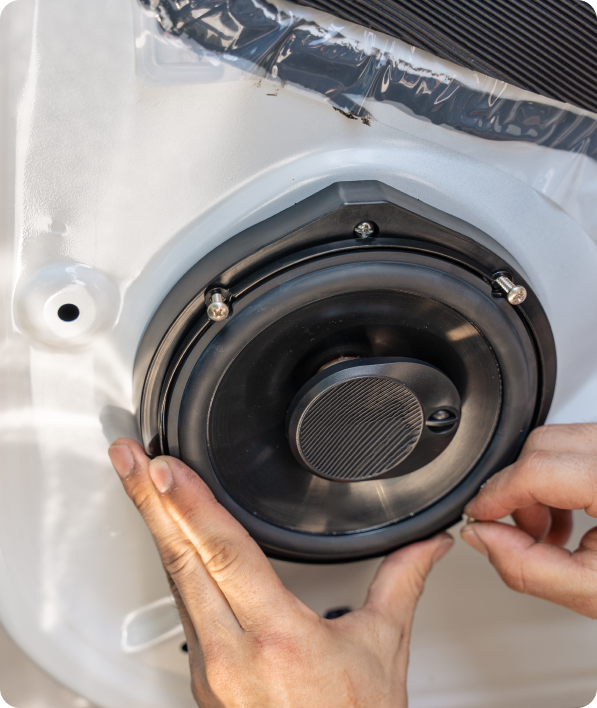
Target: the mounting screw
(442, 415)
(516, 293)
(442, 421)
(217, 310)
(364, 229)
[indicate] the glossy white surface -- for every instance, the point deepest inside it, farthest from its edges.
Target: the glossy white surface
(136, 184)
(25, 685)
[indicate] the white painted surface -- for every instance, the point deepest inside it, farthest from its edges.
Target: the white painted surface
(145, 181)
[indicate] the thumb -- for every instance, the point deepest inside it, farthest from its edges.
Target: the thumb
(540, 569)
(399, 582)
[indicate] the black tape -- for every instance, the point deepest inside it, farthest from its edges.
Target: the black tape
(298, 51)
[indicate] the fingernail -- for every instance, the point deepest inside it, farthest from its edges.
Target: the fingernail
(469, 534)
(442, 549)
(160, 475)
(122, 459)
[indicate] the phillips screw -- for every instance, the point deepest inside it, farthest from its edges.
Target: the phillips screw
(217, 309)
(516, 293)
(364, 229)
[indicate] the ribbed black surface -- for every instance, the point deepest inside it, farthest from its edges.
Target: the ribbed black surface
(360, 428)
(546, 46)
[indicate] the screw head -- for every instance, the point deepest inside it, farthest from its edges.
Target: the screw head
(442, 421)
(364, 229)
(517, 295)
(218, 310)
(442, 415)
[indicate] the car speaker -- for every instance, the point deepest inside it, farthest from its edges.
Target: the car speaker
(346, 375)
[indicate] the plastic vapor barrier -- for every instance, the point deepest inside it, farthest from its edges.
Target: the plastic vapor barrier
(546, 46)
(549, 145)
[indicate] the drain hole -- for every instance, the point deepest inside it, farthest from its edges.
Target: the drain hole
(68, 313)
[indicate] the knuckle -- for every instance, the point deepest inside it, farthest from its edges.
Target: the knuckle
(143, 500)
(178, 558)
(184, 517)
(223, 558)
(276, 649)
(533, 463)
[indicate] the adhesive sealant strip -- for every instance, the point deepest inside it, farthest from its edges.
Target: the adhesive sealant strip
(549, 145)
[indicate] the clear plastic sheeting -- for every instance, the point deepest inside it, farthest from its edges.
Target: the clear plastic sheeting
(549, 145)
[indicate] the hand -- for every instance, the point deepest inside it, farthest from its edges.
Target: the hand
(251, 642)
(556, 472)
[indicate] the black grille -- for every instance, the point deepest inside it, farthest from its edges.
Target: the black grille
(545, 46)
(360, 429)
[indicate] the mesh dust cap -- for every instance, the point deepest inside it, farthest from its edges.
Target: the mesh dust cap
(360, 428)
(370, 418)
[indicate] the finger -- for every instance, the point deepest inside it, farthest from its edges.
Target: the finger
(539, 569)
(185, 619)
(206, 605)
(560, 480)
(545, 523)
(399, 582)
(536, 520)
(233, 559)
(561, 527)
(579, 438)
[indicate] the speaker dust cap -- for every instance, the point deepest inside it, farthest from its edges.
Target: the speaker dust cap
(372, 418)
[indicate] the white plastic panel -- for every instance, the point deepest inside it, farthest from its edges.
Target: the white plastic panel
(135, 183)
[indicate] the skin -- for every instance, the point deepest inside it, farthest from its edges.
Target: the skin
(251, 641)
(555, 473)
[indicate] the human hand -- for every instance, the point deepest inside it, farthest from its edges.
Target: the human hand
(251, 642)
(556, 472)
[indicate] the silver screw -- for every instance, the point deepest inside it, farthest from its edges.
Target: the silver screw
(516, 293)
(364, 229)
(442, 415)
(218, 310)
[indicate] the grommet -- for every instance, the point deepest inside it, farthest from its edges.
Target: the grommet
(66, 304)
